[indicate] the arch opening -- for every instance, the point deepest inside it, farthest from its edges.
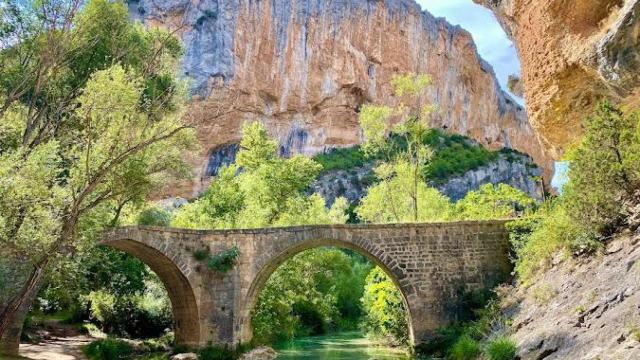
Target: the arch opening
(183, 301)
(313, 248)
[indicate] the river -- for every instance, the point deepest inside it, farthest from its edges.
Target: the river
(342, 346)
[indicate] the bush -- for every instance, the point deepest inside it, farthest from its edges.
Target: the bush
(154, 217)
(466, 348)
(453, 155)
(108, 349)
(217, 353)
(501, 348)
(605, 170)
(224, 261)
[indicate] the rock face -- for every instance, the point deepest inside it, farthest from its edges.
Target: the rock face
(573, 53)
(583, 309)
(515, 170)
(305, 67)
(518, 171)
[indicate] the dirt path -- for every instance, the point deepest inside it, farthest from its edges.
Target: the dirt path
(56, 348)
(54, 340)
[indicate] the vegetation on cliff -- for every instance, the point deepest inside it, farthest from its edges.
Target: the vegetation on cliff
(604, 178)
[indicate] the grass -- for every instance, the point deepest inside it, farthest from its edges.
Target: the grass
(634, 332)
(543, 294)
(223, 353)
(466, 348)
(108, 349)
(501, 348)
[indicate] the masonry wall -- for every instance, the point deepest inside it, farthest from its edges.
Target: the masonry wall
(430, 263)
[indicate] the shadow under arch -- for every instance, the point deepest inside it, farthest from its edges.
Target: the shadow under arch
(183, 301)
(267, 270)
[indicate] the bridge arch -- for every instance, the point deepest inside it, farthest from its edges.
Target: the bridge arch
(184, 307)
(429, 263)
(268, 268)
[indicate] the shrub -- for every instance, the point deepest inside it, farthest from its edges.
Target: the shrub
(501, 348)
(224, 261)
(604, 172)
(217, 353)
(108, 349)
(154, 217)
(201, 254)
(466, 348)
(453, 155)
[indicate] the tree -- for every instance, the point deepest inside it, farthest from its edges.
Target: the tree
(402, 194)
(310, 293)
(499, 201)
(260, 190)
(604, 171)
(394, 199)
(385, 312)
(89, 120)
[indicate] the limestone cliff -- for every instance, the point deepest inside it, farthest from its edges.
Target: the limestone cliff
(515, 170)
(585, 308)
(573, 53)
(305, 67)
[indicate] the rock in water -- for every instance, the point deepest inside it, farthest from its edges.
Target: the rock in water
(304, 68)
(185, 356)
(261, 353)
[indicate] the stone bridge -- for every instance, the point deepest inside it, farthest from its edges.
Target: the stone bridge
(430, 263)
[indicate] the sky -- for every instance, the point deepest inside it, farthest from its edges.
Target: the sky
(493, 44)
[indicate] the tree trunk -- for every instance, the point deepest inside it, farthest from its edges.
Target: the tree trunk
(13, 316)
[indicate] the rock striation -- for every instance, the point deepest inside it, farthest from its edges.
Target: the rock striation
(582, 308)
(305, 67)
(573, 54)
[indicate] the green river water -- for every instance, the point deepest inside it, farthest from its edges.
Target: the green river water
(342, 346)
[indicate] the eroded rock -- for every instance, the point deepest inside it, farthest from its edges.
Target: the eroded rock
(573, 54)
(304, 68)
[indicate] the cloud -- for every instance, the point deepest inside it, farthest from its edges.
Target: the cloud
(491, 40)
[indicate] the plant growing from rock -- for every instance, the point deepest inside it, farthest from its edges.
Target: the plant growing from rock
(221, 262)
(501, 348)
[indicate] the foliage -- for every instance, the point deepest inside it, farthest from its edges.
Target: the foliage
(453, 155)
(218, 353)
(201, 254)
(310, 294)
(224, 260)
(501, 348)
(110, 288)
(154, 216)
(466, 348)
(138, 316)
(341, 159)
(603, 176)
(90, 116)
(402, 163)
(260, 190)
(108, 349)
(480, 319)
(391, 200)
(605, 170)
(385, 312)
(493, 202)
